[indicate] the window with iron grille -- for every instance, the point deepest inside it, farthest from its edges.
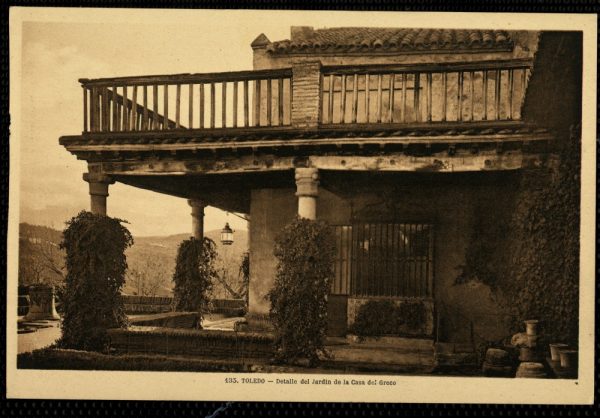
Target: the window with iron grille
(381, 259)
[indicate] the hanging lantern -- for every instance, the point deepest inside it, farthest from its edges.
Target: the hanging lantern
(227, 235)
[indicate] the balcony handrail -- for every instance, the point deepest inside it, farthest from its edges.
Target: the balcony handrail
(374, 69)
(428, 92)
(187, 78)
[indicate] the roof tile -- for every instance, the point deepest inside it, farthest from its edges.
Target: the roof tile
(356, 39)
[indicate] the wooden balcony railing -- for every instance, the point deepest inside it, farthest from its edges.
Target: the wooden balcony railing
(367, 95)
(196, 101)
(490, 91)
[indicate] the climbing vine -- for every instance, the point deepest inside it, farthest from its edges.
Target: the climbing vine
(194, 274)
(95, 261)
(305, 251)
(529, 252)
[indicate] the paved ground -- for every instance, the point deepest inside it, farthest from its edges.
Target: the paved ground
(41, 338)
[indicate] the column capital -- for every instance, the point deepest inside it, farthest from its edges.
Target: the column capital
(307, 181)
(98, 178)
(197, 203)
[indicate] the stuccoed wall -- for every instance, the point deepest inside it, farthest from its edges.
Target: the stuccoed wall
(449, 201)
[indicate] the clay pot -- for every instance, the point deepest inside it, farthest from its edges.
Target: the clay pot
(532, 341)
(531, 326)
(555, 350)
(531, 370)
(497, 357)
(569, 359)
(528, 355)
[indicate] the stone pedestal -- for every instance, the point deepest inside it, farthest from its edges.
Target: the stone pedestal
(41, 303)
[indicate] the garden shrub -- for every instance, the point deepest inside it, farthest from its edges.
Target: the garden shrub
(305, 251)
(95, 260)
(384, 317)
(194, 275)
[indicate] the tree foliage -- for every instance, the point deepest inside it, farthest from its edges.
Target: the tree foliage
(95, 261)
(194, 275)
(305, 252)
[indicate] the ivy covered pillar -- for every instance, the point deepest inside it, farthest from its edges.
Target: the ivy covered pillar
(197, 218)
(98, 185)
(307, 190)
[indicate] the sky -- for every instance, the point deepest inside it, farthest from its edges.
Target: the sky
(55, 55)
(59, 46)
(57, 49)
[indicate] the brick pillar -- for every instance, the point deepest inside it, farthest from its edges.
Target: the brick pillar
(306, 94)
(307, 190)
(197, 218)
(98, 184)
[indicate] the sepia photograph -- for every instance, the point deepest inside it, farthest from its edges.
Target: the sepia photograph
(264, 202)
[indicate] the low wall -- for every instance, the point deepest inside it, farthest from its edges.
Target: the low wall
(146, 304)
(167, 320)
(222, 344)
(425, 329)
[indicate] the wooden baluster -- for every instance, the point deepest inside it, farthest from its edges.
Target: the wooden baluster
(223, 104)
(145, 111)
(497, 97)
(354, 97)
(367, 97)
(269, 96)
(330, 101)
(459, 93)
(429, 96)
(417, 96)
(391, 99)
(379, 97)
(472, 94)
(115, 120)
(119, 116)
(404, 89)
(235, 103)
(511, 88)
(343, 100)
(246, 109)
(201, 107)
(178, 107)
(212, 105)
(485, 93)
(134, 111)
(445, 100)
(280, 100)
(191, 106)
(257, 99)
(154, 118)
(523, 89)
(125, 116)
(166, 107)
(105, 110)
(85, 109)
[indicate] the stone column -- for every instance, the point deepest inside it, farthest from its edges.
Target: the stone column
(197, 218)
(307, 190)
(98, 184)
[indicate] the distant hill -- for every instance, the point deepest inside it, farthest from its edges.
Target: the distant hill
(151, 260)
